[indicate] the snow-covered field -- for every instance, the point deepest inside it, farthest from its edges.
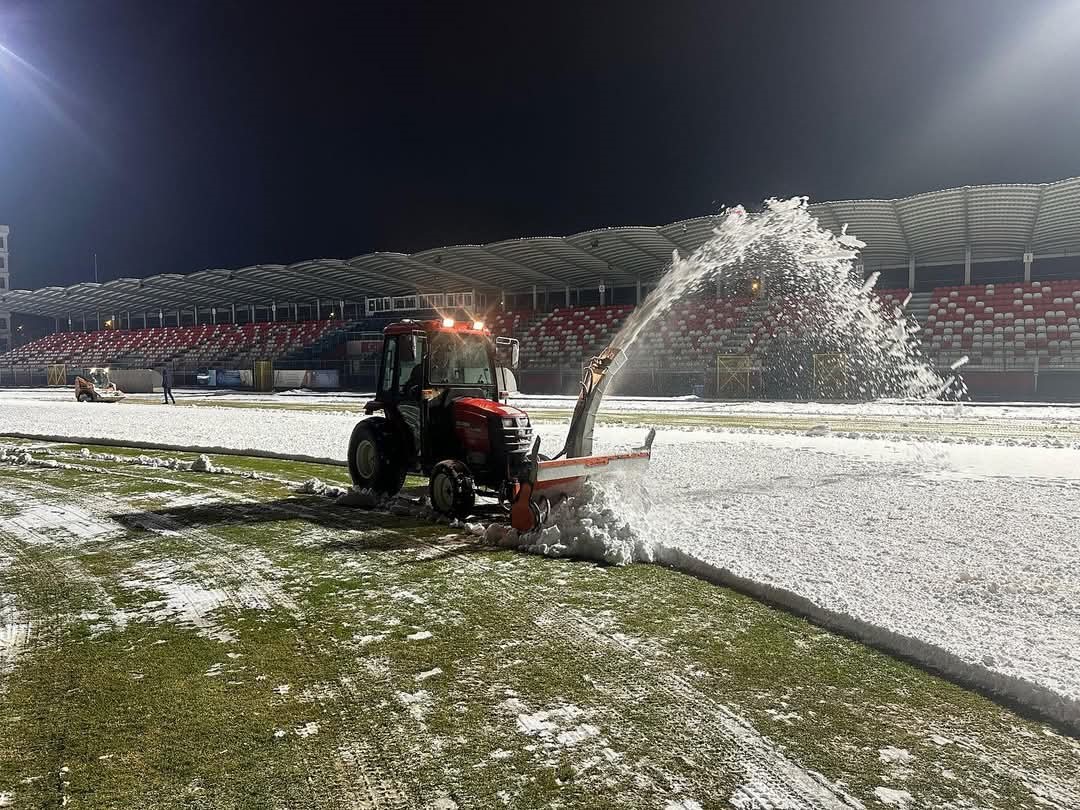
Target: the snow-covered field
(687, 405)
(965, 556)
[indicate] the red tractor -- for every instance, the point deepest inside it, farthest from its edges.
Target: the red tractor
(441, 394)
(98, 388)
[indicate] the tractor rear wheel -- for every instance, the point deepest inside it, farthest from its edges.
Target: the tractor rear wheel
(375, 461)
(452, 489)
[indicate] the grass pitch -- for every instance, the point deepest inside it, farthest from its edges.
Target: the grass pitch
(172, 638)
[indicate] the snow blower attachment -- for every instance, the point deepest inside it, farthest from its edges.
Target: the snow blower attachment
(442, 392)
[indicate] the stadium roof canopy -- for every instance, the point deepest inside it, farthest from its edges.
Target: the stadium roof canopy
(995, 222)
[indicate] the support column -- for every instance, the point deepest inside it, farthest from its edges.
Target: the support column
(295, 312)
(213, 315)
(195, 319)
(911, 273)
(1029, 259)
(603, 290)
(160, 317)
(535, 299)
(341, 312)
(638, 299)
(967, 265)
(318, 309)
(568, 295)
(232, 307)
(84, 321)
(273, 311)
(179, 318)
(252, 306)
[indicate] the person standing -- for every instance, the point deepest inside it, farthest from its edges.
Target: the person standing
(166, 384)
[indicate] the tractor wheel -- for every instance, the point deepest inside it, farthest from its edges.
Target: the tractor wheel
(83, 397)
(375, 461)
(452, 489)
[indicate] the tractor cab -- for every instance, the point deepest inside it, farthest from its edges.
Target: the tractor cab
(442, 393)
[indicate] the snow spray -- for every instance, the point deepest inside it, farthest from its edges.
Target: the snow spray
(810, 272)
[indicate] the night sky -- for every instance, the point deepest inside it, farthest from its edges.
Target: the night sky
(182, 135)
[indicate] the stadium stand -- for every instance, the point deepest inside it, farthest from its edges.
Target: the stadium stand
(565, 337)
(1006, 324)
(793, 318)
(694, 332)
(226, 345)
(993, 324)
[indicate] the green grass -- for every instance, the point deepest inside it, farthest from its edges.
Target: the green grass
(643, 663)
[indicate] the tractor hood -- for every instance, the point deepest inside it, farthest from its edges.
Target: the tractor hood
(486, 407)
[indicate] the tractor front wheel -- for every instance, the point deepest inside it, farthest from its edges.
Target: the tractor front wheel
(452, 489)
(375, 461)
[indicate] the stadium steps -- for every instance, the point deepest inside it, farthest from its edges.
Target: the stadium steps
(919, 306)
(324, 348)
(739, 341)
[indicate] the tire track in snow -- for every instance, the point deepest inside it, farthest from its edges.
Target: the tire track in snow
(721, 732)
(713, 727)
(364, 775)
(21, 631)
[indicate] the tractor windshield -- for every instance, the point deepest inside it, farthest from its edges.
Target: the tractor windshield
(459, 359)
(99, 377)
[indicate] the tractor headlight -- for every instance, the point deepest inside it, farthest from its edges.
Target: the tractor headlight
(509, 422)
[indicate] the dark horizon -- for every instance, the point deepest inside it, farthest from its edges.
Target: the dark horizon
(180, 137)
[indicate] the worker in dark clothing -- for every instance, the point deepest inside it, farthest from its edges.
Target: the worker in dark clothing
(166, 384)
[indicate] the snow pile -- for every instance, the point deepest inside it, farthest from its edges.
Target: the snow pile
(895, 756)
(14, 455)
(316, 486)
(359, 498)
(893, 798)
(418, 703)
(559, 727)
(596, 524)
(202, 464)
